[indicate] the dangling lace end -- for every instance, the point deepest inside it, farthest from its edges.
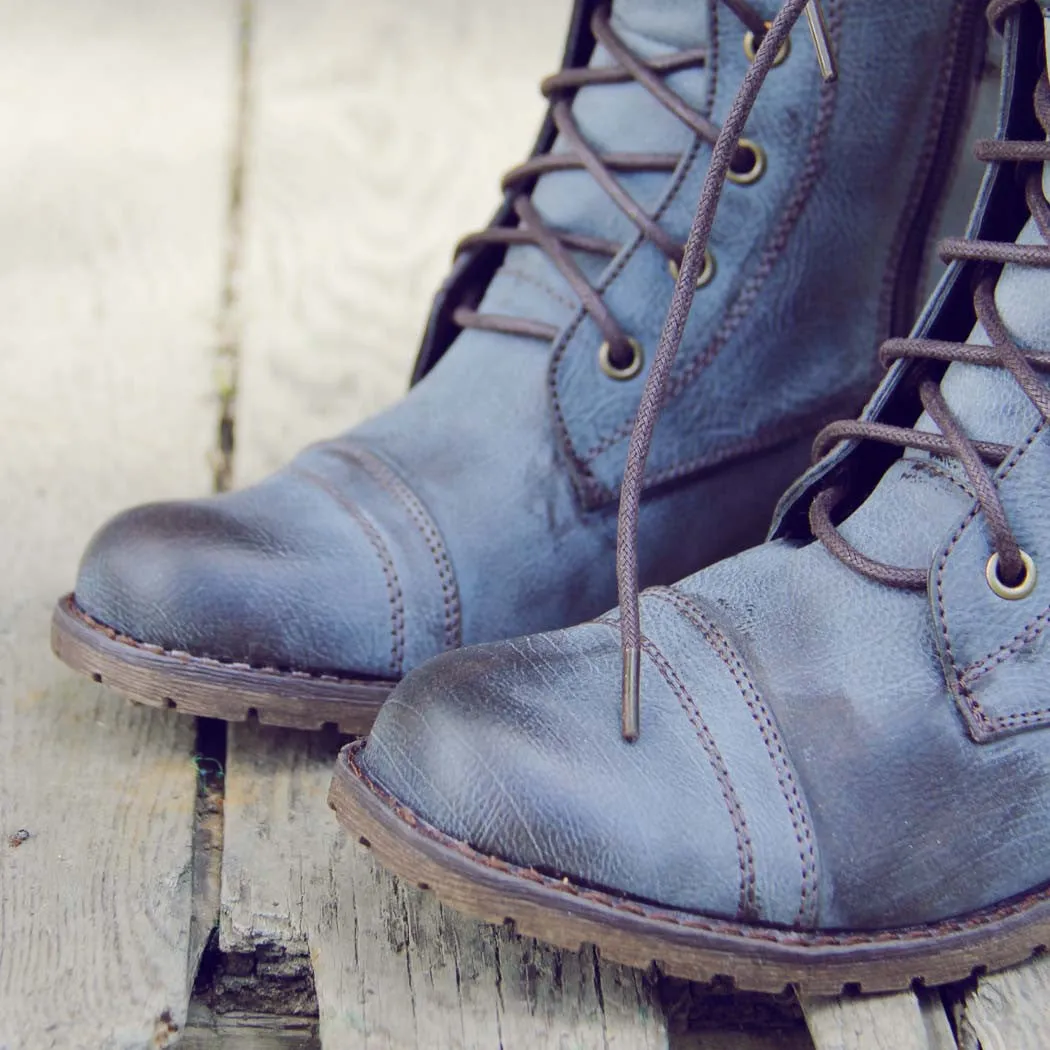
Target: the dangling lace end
(818, 28)
(631, 716)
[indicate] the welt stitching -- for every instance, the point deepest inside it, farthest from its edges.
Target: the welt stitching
(687, 920)
(184, 656)
(393, 582)
(589, 488)
(740, 308)
(745, 854)
(972, 703)
(767, 439)
(388, 479)
(763, 718)
(1028, 634)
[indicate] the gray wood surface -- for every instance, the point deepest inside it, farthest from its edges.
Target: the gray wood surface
(114, 133)
(879, 1022)
(1010, 1010)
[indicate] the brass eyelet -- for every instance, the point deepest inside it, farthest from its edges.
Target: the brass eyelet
(705, 276)
(758, 164)
(628, 371)
(1019, 590)
(751, 47)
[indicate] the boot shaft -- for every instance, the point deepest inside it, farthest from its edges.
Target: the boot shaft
(815, 260)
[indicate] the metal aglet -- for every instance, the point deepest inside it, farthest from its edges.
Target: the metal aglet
(818, 29)
(631, 697)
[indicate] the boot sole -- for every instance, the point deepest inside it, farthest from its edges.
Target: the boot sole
(682, 944)
(195, 685)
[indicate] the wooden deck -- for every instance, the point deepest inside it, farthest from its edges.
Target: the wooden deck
(220, 223)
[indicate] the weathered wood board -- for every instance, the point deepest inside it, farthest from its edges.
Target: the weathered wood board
(879, 1022)
(1010, 1010)
(378, 134)
(114, 134)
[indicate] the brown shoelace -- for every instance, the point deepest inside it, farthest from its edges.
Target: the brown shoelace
(693, 258)
(978, 458)
(577, 155)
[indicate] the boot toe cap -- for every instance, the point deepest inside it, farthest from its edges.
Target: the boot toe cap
(515, 749)
(273, 577)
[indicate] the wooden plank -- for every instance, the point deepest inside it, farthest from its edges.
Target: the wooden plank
(114, 133)
(879, 1022)
(237, 1030)
(1009, 1010)
(379, 134)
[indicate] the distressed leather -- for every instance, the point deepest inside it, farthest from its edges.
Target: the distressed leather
(482, 505)
(817, 749)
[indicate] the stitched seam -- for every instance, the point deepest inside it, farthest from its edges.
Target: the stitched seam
(1028, 634)
(688, 920)
(747, 903)
(973, 705)
(389, 480)
(521, 275)
(763, 718)
(765, 440)
(588, 487)
(211, 661)
(811, 171)
(393, 583)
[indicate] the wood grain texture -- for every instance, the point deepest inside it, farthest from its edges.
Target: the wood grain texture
(879, 1022)
(393, 969)
(378, 136)
(114, 133)
(1010, 1010)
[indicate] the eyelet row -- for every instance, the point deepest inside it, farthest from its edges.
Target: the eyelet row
(743, 174)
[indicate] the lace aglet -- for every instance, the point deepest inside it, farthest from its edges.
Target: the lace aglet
(631, 697)
(818, 29)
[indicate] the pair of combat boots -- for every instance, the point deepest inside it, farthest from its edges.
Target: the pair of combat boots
(769, 769)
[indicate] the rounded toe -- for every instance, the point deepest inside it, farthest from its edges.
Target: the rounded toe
(156, 574)
(275, 577)
(515, 750)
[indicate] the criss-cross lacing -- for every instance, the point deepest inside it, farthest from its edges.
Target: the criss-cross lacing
(693, 260)
(1012, 568)
(576, 154)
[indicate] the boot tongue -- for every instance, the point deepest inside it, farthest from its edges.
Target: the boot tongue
(903, 523)
(611, 118)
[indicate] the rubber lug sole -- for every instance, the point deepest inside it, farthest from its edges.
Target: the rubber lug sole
(194, 685)
(682, 944)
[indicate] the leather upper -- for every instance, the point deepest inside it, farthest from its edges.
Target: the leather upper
(482, 505)
(817, 749)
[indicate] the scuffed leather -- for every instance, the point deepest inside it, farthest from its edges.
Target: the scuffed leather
(457, 517)
(910, 724)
